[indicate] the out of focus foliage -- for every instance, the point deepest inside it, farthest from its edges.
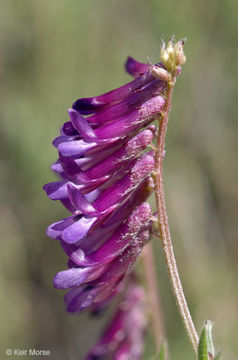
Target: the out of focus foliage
(51, 53)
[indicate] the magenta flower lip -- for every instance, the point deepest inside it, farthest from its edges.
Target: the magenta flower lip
(135, 68)
(104, 169)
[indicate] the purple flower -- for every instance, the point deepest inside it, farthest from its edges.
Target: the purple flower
(104, 172)
(94, 275)
(124, 336)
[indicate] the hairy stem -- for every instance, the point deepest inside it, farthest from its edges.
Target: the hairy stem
(163, 222)
(153, 296)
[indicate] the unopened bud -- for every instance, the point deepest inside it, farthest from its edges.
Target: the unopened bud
(160, 73)
(170, 50)
(163, 54)
(180, 57)
(172, 57)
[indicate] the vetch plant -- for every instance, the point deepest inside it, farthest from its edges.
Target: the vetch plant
(108, 166)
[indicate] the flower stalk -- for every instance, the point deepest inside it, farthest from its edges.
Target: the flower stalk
(160, 198)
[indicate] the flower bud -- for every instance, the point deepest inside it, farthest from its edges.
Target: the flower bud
(163, 54)
(172, 57)
(180, 57)
(170, 50)
(160, 73)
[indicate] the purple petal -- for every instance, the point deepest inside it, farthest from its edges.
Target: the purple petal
(56, 190)
(68, 205)
(68, 248)
(55, 230)
(75, 147)
(130, 122)
(118, 242)
(81, 125)
(78, 229)
(132, 103)
(120, 128)
(57, 168)
(82, 297)
(91, 105)
(117, 192)
(96, 238)
(140, 194)
(124, 335)
(70, 278)
(87, 106)
(69, 165)
(92, 196)
(115, 161)
(82, 300)
(68, 129)
(124, 352)
(63, 138)
(76, 276)
(124, 262)
(78, 200)
(135, 68)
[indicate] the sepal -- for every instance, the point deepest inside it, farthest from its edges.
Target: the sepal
(206, 350)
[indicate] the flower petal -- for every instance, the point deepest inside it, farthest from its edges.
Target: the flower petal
(75, 147)
(81, 125)
(119, 241)
(76, 276)
(78, 200)
(91, 105)
(56, 190)
(78, 229)
(130, 104)
(135, 68)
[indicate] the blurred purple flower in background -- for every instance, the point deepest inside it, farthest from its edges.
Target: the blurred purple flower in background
(124, 336)
(104, 183)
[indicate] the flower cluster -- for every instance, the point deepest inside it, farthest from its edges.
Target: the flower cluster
(124, 336)
(104, 182)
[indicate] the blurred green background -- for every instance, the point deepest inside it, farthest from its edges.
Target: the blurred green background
(53, 52)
